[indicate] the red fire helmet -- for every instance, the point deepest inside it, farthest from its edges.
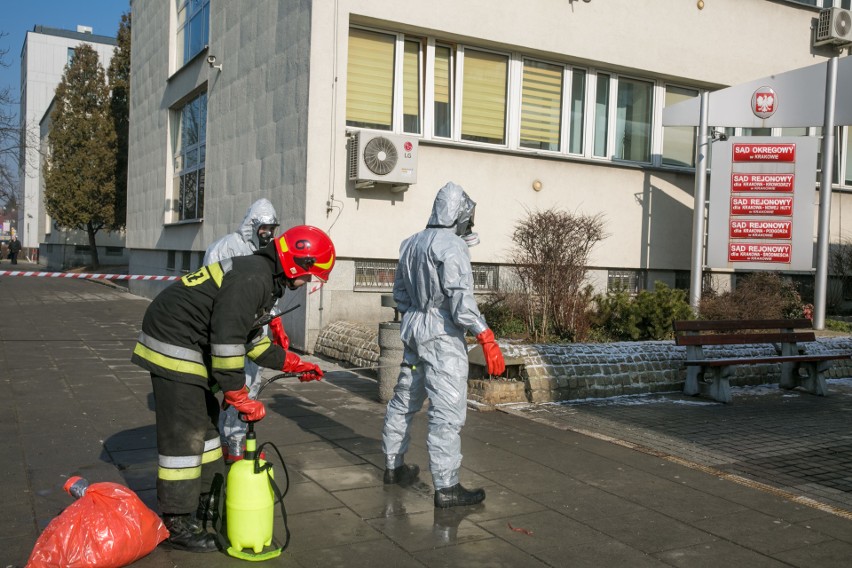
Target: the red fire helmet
(303, 250)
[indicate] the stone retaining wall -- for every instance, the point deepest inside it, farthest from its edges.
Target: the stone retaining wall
(591, 370)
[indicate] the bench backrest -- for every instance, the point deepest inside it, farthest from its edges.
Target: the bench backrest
(740, 332)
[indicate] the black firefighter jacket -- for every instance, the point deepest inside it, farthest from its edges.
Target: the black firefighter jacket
(200, 329)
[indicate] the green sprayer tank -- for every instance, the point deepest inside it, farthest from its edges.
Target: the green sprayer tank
(249, 505)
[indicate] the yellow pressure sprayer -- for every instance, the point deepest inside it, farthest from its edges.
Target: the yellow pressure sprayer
(250, 498)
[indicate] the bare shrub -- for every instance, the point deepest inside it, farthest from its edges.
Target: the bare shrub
(762, 295)
(550, 253)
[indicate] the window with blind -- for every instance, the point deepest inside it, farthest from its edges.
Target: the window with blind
(443, 92)
(679, 141)
(411, 74)
(370, 72)
(541, 105)
(483, 113)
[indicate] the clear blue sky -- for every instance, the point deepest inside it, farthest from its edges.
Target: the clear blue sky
(17, 17)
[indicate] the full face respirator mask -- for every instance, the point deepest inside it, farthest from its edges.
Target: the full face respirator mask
(466, 232)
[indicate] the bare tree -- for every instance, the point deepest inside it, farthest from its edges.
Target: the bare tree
(550, 254)
(10, 137)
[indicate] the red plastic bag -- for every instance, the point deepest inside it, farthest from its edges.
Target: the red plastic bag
(107, 527)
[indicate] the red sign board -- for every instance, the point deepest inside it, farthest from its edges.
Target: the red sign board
(762, 182)
(764, 152)
(781, 206)
(761, 229)
(759, 252)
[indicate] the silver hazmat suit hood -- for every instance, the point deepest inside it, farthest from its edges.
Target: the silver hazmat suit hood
(453, 208)
(261, 212)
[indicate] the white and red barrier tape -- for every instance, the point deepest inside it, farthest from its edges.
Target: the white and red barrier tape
(84, 275)
(90, 276)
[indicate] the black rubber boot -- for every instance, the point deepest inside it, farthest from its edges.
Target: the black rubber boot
(402, 475)
(458, 496)
(185, 533)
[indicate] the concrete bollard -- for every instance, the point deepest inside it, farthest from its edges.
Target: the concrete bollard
(390, 358)
(390, 352)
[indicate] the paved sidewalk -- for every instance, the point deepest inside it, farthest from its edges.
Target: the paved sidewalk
(74, 404)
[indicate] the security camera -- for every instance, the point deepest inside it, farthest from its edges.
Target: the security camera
(211, 61)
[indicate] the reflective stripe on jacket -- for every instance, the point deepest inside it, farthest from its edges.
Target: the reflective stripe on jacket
(200, 329)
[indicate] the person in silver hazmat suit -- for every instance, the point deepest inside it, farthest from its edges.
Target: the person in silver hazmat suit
(255, 232)
(434, 292)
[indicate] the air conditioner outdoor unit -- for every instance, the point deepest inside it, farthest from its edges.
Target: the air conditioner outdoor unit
(378, 157)
(834, 27)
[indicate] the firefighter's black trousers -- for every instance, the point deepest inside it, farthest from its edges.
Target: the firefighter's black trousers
(188, 445)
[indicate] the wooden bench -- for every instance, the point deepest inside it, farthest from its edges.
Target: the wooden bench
(710, 375)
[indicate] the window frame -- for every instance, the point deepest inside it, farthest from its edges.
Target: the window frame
(181, 58)
(459, 107)
(561, 130)
(179, 152)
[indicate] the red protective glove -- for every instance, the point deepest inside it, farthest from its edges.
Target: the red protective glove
(279, 336)
(252, 410)
(493, 356)
(307, 371)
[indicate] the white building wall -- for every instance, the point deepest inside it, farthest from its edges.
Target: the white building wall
(44, 56)
(277, 127)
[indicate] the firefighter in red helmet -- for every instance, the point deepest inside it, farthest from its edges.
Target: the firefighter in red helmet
(194, 340)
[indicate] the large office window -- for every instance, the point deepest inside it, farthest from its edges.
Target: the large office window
(193, 28)
(541, 105)
(484, 97)
(370, 71)
(635, 108)
(190, 149)
(443, 119)
(679, 141)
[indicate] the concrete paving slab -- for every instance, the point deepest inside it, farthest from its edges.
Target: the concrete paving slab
(429, 530)
(387, 500)
(715, 554)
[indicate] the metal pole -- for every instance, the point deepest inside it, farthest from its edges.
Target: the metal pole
(698, 216)
(821, 278)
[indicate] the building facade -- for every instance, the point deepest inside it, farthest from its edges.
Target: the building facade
(547, 104)
(45, 54)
